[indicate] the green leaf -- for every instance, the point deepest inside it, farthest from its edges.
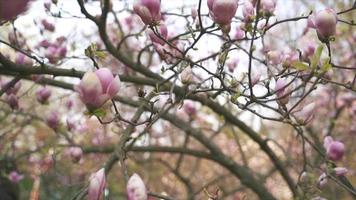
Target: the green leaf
(316, 57)
(300, 65)
(326, 65)
(235, 97)
(99, 112)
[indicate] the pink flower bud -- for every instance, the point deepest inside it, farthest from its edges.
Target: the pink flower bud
(325, 24)
(282, 92)
(289, 58)
(12, 8)
(12, 90)
(136, 189)
(194, 13)
(239, 34)
(47, 5)
(15, 177)
(340, 171)
(248, 12)
(22, 59)
(96, 88)
(323, 180)
(149, 11)
(69, 104)
(96, 185)
(43, 94)
(232, 65)
(187, 75)
(309, 50)
(222, 11)
(53, 120)
(47, 25)
(189, 108)
(255, 78)
(274, 57)
(268, 6)
(163, 33)
(13, 101)
(305, 115)
(334, 149)
(76, 154)
(44, 44)
(70, 124)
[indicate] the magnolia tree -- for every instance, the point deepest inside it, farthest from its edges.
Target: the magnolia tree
(150, 99)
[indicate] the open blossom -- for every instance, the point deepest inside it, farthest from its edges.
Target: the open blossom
(149, 11)
(97, 87)
(334, 149)
(163, 32)
(96, 185)
(11, 8)
(43, 94)
(136, 189)
(222, 11)
(306, 114)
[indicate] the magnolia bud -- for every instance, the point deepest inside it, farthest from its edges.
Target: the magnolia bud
(274, 57)
(340, 171)
(136, 189)
(96, 185)
(334, 149)
(53, 120)
(149, 11)
(248, 12)
(306, 114)
(255, 78)
(239, 34)
(222, 11)
(13, 101)
(268, 6)
(15, 177)
(282, 91)
(47, 25)
(43, 95)
(232, 65)
(70, 124)
(76, 154)
(189, 108)
(194, 13)
(187, 75)
(163, 33)
(325, 24)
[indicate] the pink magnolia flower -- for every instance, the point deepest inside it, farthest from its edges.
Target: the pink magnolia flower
(163, 31)
(305, 115)
(239, 34)
(43, 94)
(282, 91)
(97, 87)
(248, 12)
(15, 177)
(189, 108)
(47, 25)
(96, 185)
(268, 6)
(289, 58)
(13, 101)
(76, 153)
(11, 8)
(22, 59)
(12, 90)
(149, 11)
(340, 171)
(70, 124)
(194, 13)
(52, 120)
(309, 49)
(187, 75)
(334, 149)
(232, 65)
(222, 11)
(325, 24)
(275, 57)
(136, 189)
